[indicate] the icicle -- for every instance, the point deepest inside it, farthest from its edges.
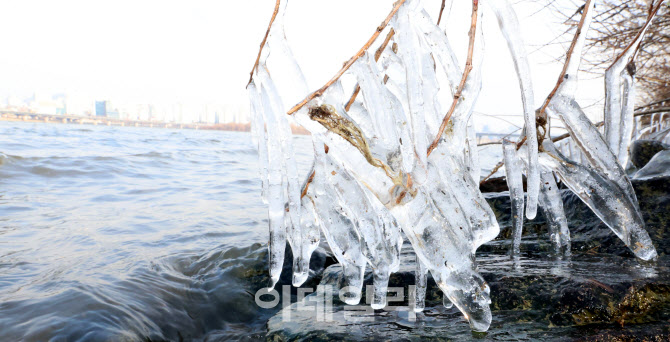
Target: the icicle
(397, 94)
(436, 40)
(613, 103)
(260, 137)
(304, 241)
(592, 145)
(276, 191)
(627, 117)
(372, 87)
(340, 231)
(447, 253)
(552, 205)
(421, 284)
(286, 73)
(472, 151)
(515, 185)
(277, 123)
(387, 109)
(509, 26)
(606, 200)
(471, 201)
(408, 40)
(377, 230)
(444, 245)
(571, 150)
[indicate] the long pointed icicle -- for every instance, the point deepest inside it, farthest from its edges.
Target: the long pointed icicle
(378, 231)
(277, 123)
(591, 143)
(471, 201)
(614, 123)
(515, 185)
(276, 190)
(627, 116)
(410, 56)
(552, 205)
(447, 252)
(282, 192)
(340, 231)
(421, 284)
(509, 26)
(260, 137)
(605, 198)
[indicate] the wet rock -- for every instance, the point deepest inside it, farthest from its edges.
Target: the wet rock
(641, 151)
(658, 166)
(536, 297)
(528, 303)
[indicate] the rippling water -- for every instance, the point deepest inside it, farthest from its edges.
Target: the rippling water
(112, 233)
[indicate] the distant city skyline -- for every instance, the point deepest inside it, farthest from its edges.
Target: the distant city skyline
(180, 57)
(60, 103)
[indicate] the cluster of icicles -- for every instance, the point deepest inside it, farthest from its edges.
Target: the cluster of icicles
(372, 180)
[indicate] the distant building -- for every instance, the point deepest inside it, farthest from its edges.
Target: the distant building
(100, 108)
(104, 108)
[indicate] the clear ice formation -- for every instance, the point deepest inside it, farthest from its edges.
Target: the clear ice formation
(619, 107)
(421, 282)
(509, 26)
(513, 166)
(552, 207)
(372, 177)
(605, 198)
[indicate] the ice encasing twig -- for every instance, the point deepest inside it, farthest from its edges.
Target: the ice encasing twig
(515, 185)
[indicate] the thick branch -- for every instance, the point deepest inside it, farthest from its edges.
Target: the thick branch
(568, 57)
(466, 72)
(351, 61)
(258, 58)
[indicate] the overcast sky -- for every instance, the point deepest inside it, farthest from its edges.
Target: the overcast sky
(201, 51)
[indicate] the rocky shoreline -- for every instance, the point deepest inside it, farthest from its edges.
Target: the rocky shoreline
(601, 293)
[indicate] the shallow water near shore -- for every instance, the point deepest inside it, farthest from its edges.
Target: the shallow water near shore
(111, 233)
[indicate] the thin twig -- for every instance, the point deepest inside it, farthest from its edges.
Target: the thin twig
(568, 57)
(309, 181)
(652, 12)
(653, 103)
(464, 78)
(439, 18)
(378, 54)
(351, 61)
(258, 58)
(495, 169)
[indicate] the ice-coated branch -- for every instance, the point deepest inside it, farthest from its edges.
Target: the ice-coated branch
(378, 54)
(265, 38)
(515, 185)
(351, 60)
(617, 118)
(464, 78)
(634, 45)
(509, 26)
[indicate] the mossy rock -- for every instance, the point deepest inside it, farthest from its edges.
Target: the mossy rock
(641, 151)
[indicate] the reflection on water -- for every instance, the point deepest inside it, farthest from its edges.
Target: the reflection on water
(111, 233)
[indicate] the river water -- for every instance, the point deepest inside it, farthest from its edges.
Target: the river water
(111, 233)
